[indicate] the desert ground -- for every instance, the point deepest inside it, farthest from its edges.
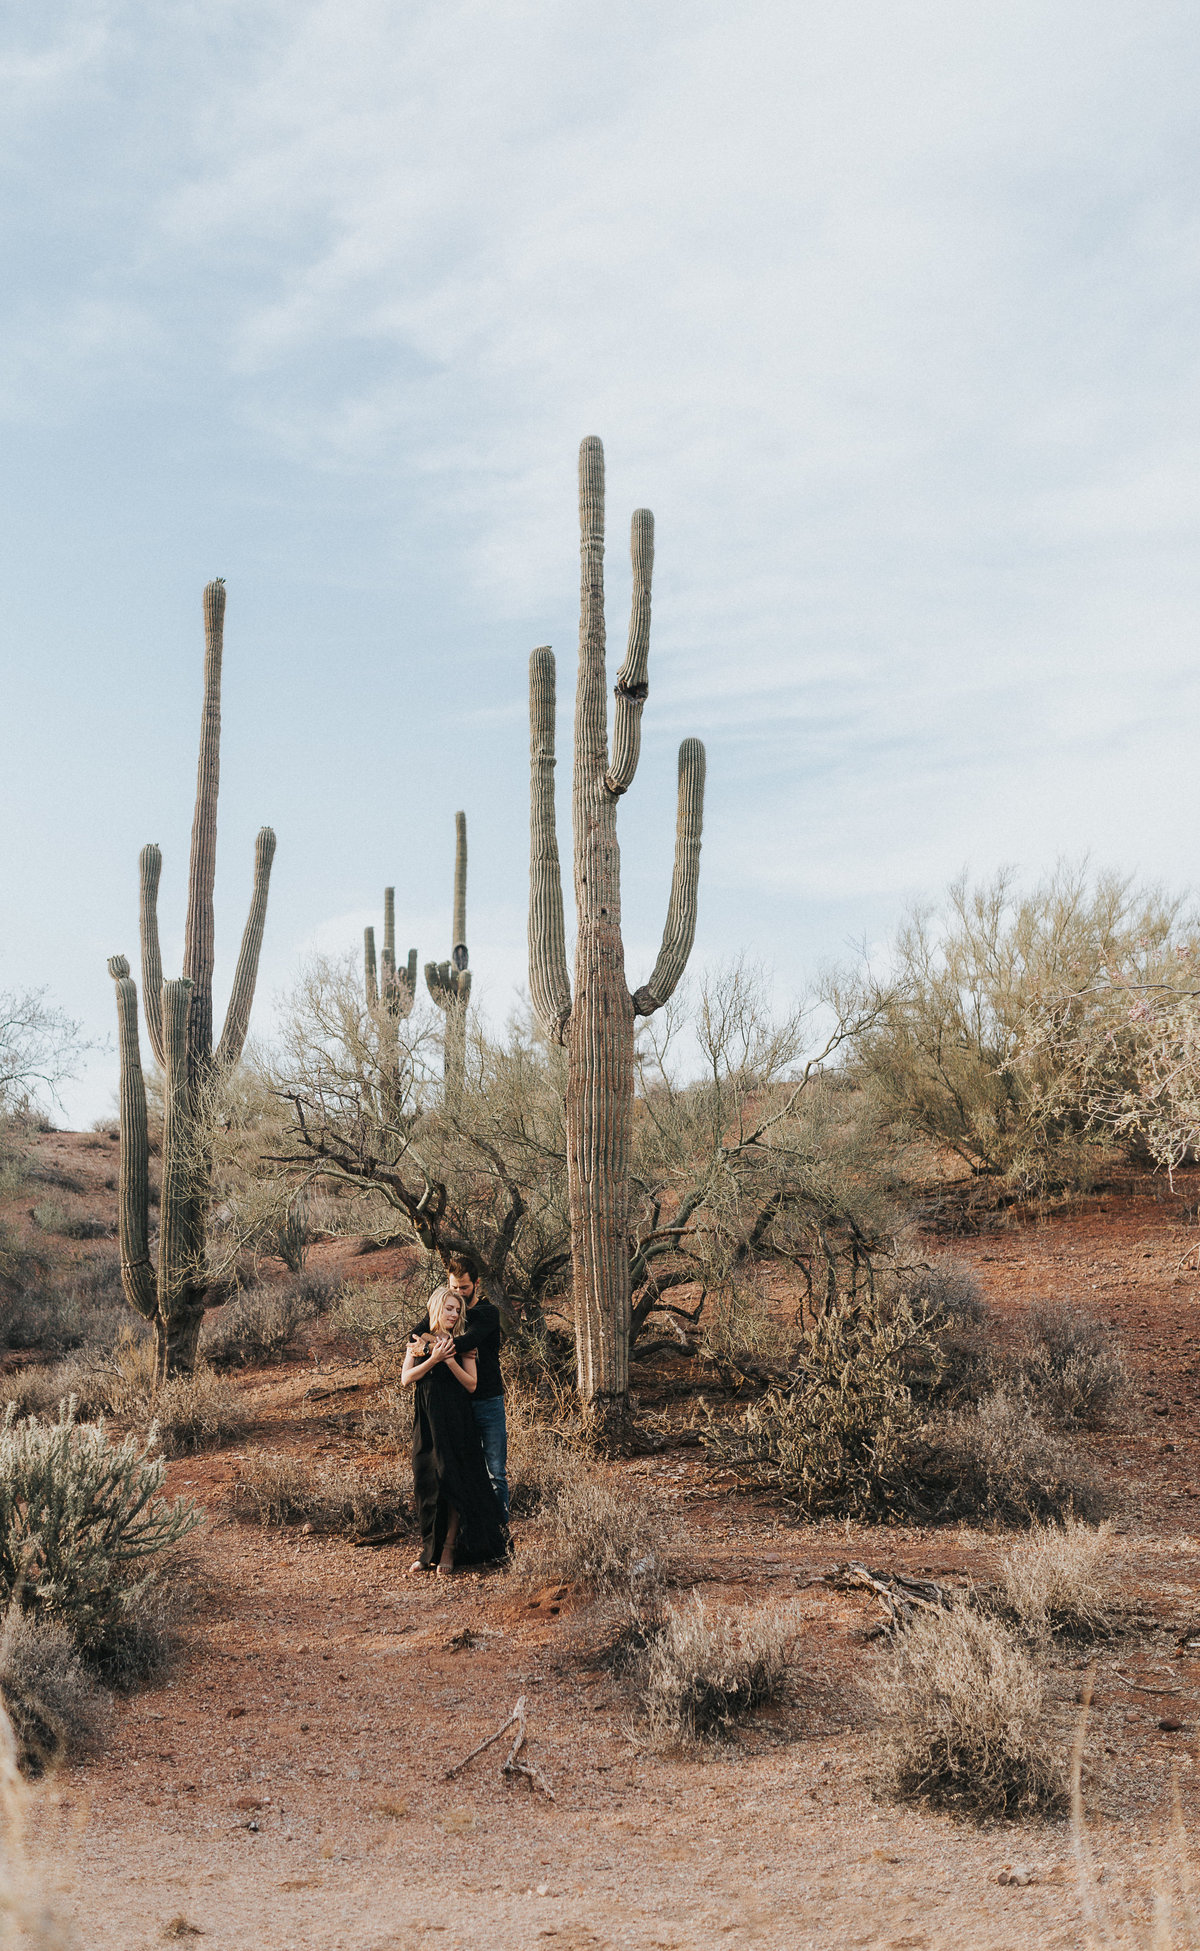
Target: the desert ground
(285, 1785)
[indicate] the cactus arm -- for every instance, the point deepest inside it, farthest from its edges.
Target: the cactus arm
(406, 981)
(388, 961)
(549, 982)
(149, 870)
(458, 940)
(241, 999)
(198, 943)
(370, 979)
(680, 930)
(631, 686)
(175, 1207)
(133, 1198)
(437, 981)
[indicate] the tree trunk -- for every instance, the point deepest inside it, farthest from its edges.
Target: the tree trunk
(176, 1342)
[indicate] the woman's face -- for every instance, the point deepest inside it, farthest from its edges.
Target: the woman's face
(451, 1309)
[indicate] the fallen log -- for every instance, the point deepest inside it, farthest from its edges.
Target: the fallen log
(901, 1597)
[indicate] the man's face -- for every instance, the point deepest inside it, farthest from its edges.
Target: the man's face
(463, 1286)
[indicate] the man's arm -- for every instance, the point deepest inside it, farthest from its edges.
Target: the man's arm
(483, 1321)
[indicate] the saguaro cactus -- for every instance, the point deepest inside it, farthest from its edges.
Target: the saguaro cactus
(179, 1021)
(597, 1023)
(395, 988)
(449, 983)
(391, 993)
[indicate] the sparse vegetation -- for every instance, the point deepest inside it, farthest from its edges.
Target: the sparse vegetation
(997, 1463)
(1058, 1581)
(964, 1725)
(57, 1710)
(705, 1668)
(199, 1411)
(1072, 1366)
(281, 1490)
(596, 1535)
(257, 1325)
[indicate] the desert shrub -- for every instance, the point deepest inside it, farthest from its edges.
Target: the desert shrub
(834, 1442)
(1071, 1365)
(57, 1711)
(964, 1716)
(80, 1521)
(595, 1535)
(281, 1490)
(996, 1463)
(957, 1056)
(199, 1411)
(257, 1325)
(704, 1669)
(739, 1326)
(317, 1289)
(960, 1360)
(51, 1216)
(1057, 1581)
(540, 1462)
(43, 1317)
(38, 1391)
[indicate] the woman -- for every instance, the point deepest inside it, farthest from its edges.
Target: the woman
(457, 1507)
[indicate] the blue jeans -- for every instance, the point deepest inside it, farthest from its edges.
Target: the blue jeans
(493, 1434)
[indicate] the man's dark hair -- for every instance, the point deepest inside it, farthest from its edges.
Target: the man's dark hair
(458, 1264)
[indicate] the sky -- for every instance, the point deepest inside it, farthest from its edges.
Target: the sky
(888, 311)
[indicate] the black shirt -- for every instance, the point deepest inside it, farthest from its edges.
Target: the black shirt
(482, 1333)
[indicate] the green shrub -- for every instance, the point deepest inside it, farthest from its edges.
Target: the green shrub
(258, 1325)
(964, 1719)
(51, 1216)
(80, 1522)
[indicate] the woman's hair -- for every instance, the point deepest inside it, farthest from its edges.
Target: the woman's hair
(437, 1304)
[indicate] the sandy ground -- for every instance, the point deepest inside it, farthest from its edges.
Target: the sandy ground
(285, 1788)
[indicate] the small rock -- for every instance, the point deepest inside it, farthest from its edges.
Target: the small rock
(1018, 1873)
(1170, 1726)
(543, 1889)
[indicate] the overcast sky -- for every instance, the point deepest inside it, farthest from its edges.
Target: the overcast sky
(889, 311)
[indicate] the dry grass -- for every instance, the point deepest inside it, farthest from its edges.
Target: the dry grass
(200, 1411)
(964, 1720)
(540, 1462)
(1057, 1581)
(997, 1463)
(57, 1711)
(257, 1325)
(1071, 1366)
(596, 1535)
(281, 1490)
(703, 1670)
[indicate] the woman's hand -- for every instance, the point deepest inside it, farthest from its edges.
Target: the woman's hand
(443, 1346)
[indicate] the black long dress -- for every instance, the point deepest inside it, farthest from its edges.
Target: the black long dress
(449, 1474)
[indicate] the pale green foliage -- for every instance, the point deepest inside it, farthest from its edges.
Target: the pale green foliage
(964, 1055)
(705, 1668)
(965, 1720)
(81, 1519)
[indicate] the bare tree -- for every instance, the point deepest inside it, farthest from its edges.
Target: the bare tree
(40, 1048)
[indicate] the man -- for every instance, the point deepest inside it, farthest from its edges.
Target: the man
(482, 1333)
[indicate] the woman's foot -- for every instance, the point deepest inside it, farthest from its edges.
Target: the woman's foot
(420, 1565)
(446, 1563)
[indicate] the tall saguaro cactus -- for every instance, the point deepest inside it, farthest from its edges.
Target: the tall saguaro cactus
(597, 1022)
(179, 1022)
(449, 983)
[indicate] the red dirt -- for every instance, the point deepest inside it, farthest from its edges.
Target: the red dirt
(285, 1787)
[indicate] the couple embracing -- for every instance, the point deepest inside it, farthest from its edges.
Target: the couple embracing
(460, 1442)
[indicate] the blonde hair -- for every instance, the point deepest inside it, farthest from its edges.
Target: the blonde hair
(437, 1304)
